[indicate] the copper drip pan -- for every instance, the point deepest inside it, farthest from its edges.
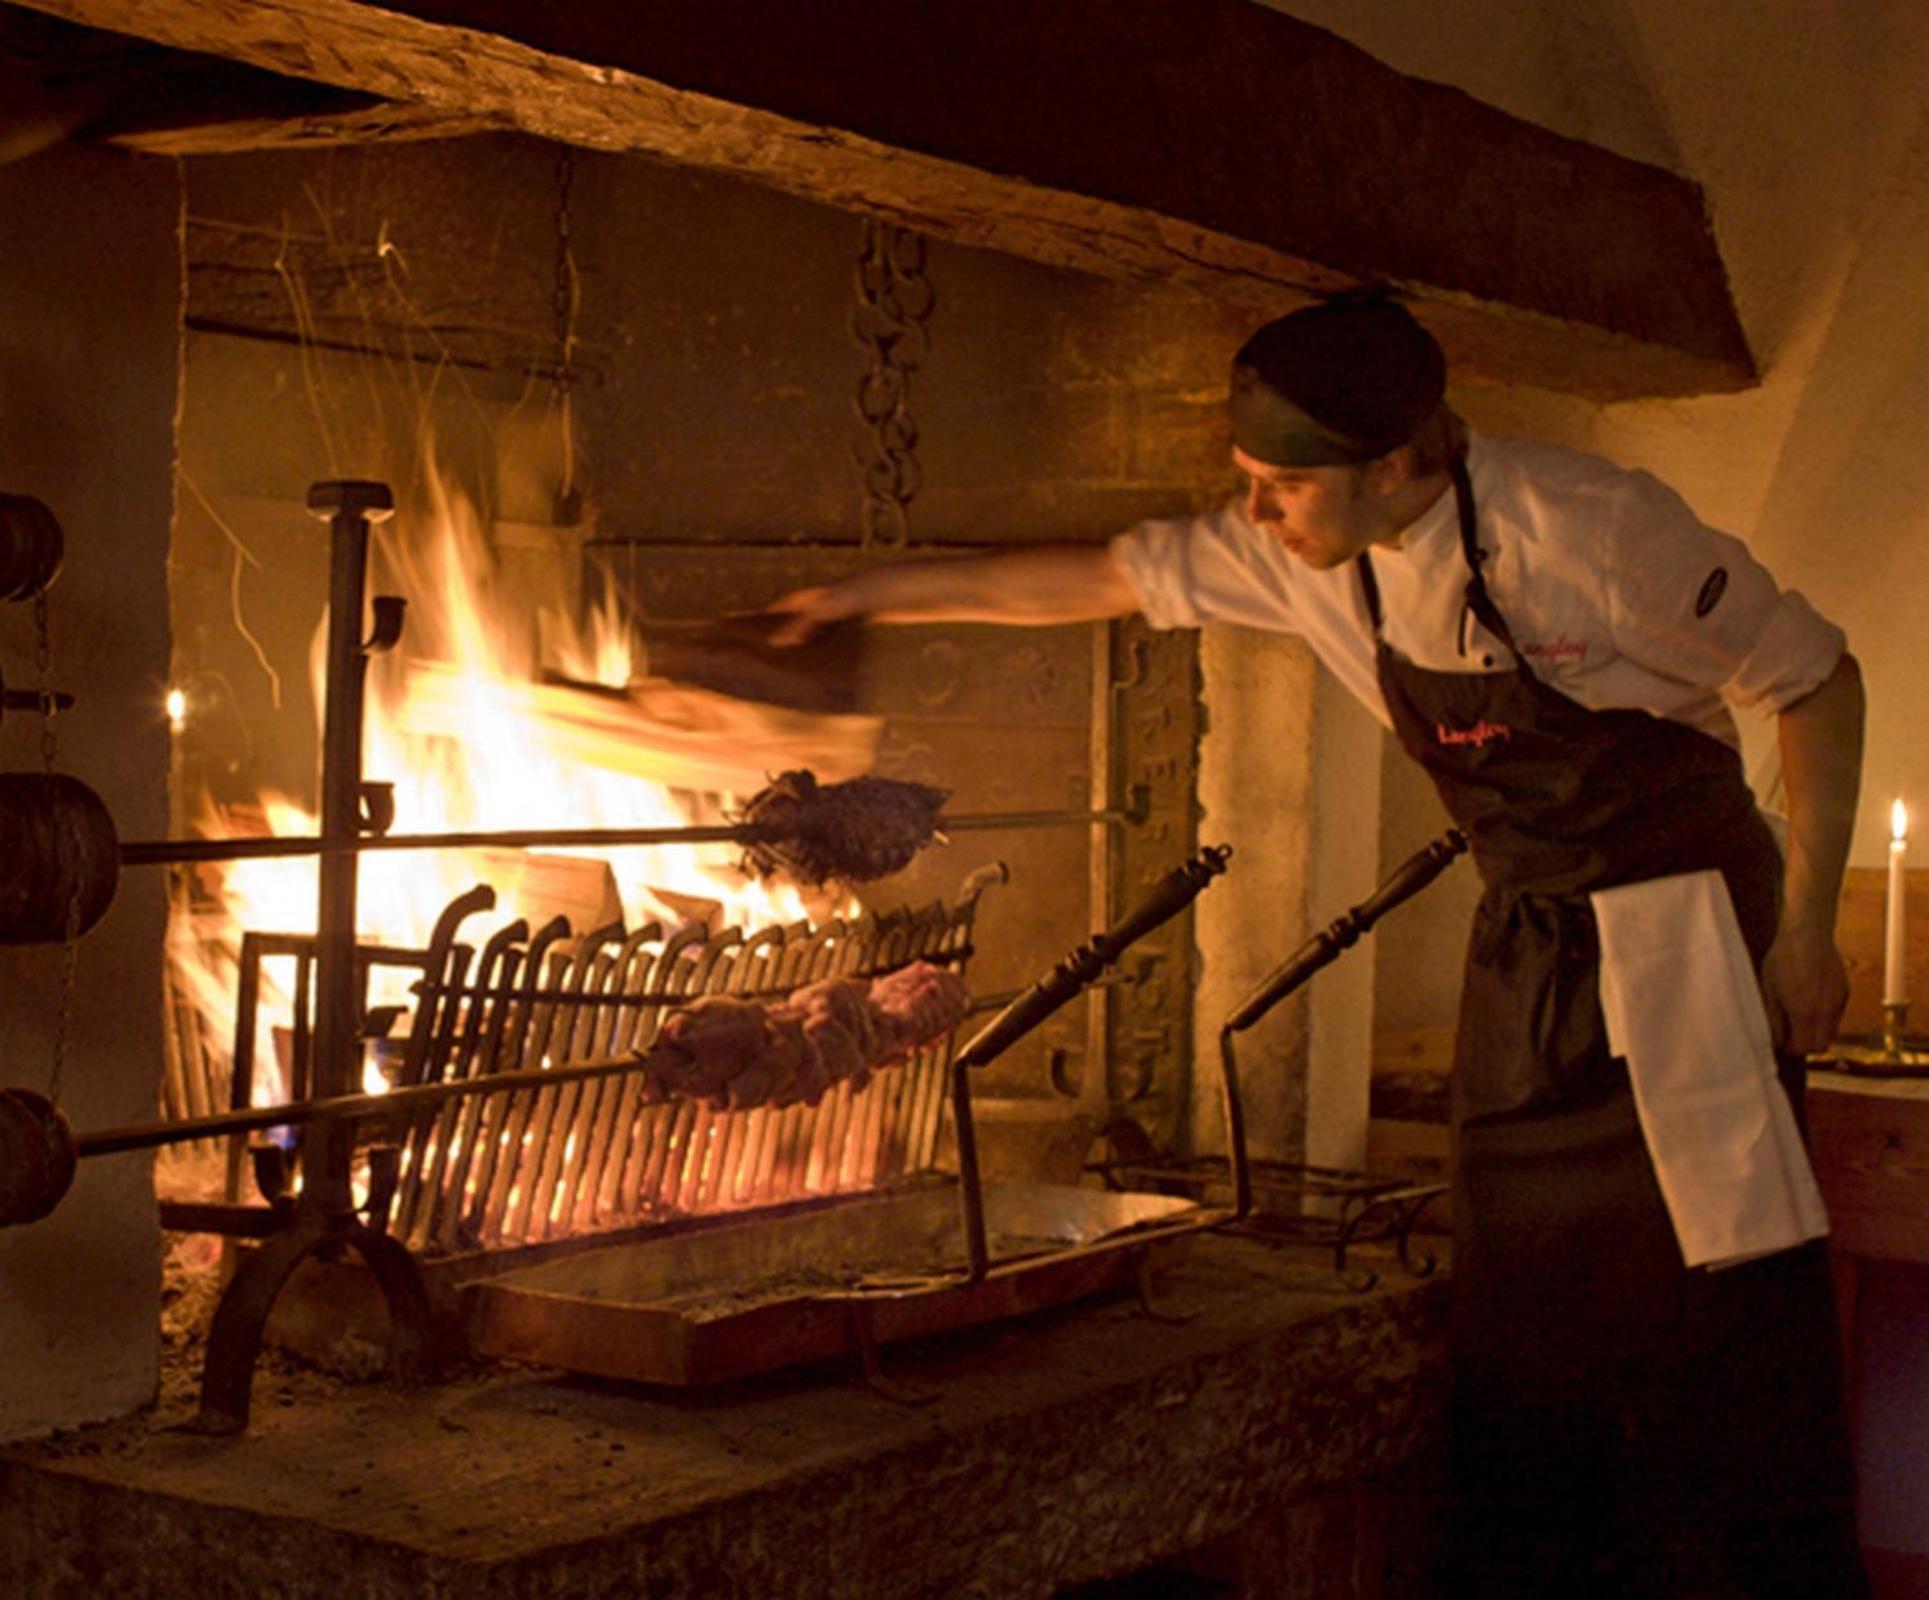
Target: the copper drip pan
(731, 1301)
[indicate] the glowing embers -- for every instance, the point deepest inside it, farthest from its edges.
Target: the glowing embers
(535, 1163)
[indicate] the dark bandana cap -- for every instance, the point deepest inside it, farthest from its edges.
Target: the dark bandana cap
(1341, 382)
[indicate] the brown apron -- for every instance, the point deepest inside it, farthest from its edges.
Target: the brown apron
(1622, 1426)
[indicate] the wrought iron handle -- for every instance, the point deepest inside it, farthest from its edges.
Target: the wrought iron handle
(1408, 879)
(1171, 895)
(389, 610)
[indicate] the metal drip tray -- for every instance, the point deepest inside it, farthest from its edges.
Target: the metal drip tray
(727, 1302)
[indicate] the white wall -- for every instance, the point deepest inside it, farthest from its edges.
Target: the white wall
(89, 319)
(1344, 853)
(1285, 744)
(1257, 778)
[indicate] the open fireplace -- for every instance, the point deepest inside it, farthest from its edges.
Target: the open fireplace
(553, 593)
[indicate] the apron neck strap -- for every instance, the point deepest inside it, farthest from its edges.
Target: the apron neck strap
(1370, 590)
(1479, 601)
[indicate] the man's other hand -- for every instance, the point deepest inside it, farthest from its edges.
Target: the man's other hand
(803, 611)
(1805, 988)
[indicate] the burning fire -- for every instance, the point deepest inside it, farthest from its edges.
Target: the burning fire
(453, 724)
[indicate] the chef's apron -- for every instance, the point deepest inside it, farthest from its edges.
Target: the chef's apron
(1622, 1426)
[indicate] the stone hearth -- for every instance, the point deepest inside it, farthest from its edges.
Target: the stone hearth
(1057, 1449)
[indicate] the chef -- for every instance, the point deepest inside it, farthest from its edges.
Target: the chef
(1646, 1373)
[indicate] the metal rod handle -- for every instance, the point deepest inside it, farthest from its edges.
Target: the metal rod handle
(1407, 880)
(155, 852)
(348, 1107)
(1171, 895)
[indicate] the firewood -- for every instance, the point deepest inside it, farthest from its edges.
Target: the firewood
(541, 886)
(670, 733)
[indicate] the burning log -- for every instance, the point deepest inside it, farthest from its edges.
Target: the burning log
(672, 733)
(737, 1054)
(581, 888)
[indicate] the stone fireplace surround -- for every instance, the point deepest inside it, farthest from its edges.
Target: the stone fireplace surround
(713, 399)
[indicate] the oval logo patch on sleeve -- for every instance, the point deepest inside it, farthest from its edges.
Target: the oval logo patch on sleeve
(1711, 592)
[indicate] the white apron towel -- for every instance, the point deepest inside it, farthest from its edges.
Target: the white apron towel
(1682, 1005)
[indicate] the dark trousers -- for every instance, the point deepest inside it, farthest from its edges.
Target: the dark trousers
(1623, 1426)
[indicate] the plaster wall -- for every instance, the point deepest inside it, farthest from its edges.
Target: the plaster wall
(89, 307)
(1259, 741)
(1289, 774)
(1343, 854)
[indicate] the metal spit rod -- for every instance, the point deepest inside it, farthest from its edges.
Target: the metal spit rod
(343, 1107)
(407, 1097)
(154, 852)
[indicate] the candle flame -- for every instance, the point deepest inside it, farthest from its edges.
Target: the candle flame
(1899, 822)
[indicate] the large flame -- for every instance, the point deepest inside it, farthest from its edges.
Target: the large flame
(494, 765)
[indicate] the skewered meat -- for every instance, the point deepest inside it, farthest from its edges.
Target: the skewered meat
(850, 832)
(914, 1004)
(735, 1053)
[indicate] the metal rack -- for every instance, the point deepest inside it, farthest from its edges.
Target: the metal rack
(1331, 1207)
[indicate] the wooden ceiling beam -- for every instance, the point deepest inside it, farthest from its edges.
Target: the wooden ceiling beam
(1215, 144)
(235, 131)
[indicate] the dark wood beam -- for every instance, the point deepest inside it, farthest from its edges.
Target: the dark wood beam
(1214, 144)
(267, 127)
(58, 80)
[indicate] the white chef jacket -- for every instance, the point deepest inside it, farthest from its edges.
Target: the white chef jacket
(1616, 593)
(1619, 597)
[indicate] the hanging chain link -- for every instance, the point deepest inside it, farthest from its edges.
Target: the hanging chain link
(49, 709)
(563, 302)
(563, 291)
(889, 322)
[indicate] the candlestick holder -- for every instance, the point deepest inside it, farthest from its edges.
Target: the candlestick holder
(1891, 1054)
(1895, 1028)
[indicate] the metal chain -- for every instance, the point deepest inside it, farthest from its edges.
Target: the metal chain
(44, 666)
(563, 292)
(563, 308)
(889, 322)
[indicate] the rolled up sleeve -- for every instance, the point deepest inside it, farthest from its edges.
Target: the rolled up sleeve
(1157, 558)
(1212, 568)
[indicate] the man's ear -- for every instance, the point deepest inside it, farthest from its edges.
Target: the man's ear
(1393, 471)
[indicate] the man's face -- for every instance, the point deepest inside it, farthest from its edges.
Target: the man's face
(1323, 515)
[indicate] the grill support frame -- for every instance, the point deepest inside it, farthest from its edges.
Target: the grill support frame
(324, 1221)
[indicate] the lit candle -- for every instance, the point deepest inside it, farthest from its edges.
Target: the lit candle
(1895, 990)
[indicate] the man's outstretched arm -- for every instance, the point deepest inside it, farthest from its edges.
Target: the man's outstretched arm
(1030, 586)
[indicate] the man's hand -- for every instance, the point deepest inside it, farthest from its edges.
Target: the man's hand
(804, 611)
(1805, 988)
